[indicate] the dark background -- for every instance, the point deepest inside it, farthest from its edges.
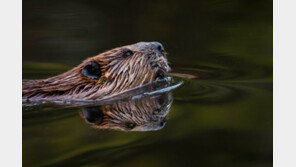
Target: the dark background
(224, 118)
(68, 31)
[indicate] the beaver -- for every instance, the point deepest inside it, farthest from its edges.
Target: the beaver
(107, 74)
(144, 114)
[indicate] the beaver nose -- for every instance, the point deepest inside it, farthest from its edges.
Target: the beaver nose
(157, 47)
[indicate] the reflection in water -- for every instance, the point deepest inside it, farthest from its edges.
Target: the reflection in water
(222, 118)
(145, 114)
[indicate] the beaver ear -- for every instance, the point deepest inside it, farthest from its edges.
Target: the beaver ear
(92, 70)
(93, 115)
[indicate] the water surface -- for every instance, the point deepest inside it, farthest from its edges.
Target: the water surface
(221, 118)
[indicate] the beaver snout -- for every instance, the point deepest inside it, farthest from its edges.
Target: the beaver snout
(149, 47)
(157, 47)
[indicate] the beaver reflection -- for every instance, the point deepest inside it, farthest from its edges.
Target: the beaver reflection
(145, 114)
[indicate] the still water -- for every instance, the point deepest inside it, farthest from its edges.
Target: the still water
(221, 118)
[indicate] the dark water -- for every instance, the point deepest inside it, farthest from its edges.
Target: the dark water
(222, 118)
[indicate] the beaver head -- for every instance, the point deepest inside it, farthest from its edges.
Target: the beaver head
(106, 74)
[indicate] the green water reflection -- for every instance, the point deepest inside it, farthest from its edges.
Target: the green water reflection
(222, 118)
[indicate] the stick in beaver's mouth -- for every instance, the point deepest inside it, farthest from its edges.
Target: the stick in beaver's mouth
(107, 74)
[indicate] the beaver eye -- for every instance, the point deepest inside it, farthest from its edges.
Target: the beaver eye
(127, 53)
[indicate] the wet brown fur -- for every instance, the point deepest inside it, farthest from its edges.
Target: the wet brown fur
(118, 75)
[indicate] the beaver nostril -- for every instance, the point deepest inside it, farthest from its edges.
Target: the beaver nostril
(160, 48)
(156, 46)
